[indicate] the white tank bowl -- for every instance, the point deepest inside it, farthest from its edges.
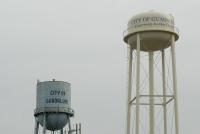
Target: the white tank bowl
(155, 30)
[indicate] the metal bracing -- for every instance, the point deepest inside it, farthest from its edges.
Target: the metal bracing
(169, 98)
(153, 98)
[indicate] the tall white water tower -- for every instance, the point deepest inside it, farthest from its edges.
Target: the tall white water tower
(151, 40)
(53, 106)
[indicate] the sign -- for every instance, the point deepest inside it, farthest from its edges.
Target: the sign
(151, 21)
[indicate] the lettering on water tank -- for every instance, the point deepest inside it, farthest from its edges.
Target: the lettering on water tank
(152, 21)
(57, 92)
(57, 100)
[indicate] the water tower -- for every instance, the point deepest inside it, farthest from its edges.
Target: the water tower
(151, 40)
(53, 106)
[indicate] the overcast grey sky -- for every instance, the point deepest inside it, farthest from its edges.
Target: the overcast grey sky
(80, 41)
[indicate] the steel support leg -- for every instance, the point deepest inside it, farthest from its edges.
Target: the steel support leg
(174, 83)
(151, 93)
(79, 128)
(164, 92)
(61, 131)
(36, 127)
(44, 124)
(128, 116)
(70, 130)
(138, 86)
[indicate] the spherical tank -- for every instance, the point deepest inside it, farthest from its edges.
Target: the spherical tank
(155, 30)
(53, 102)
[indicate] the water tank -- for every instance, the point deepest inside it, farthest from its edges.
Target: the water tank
(54, 102)
(155, 30)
